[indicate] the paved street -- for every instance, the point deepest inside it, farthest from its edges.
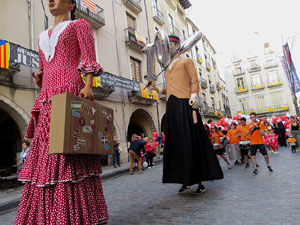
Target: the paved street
(241, 198)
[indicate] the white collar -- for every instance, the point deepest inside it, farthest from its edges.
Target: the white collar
(48, 45)
(173, 61)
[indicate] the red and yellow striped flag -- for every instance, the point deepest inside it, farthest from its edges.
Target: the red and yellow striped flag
(90, 4)
(4, 54)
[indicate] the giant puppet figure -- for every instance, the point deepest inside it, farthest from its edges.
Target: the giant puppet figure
(189, 157)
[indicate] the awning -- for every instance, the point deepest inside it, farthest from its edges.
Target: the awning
(185, 4)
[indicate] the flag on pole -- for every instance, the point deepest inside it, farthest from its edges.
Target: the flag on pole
(4, 54)
(90, 4)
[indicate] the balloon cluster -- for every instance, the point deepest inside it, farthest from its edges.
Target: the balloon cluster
(154, 138)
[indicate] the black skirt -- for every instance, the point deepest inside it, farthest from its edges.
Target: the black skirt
(189, 157)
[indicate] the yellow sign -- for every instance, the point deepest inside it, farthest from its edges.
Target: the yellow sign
(148, 94)
(96, 81)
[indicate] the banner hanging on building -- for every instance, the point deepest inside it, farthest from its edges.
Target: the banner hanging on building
(4, 54)
(290, 69)
(24, 56)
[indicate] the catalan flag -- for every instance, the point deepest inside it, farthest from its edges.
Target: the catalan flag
(90, 4)
(4, 54)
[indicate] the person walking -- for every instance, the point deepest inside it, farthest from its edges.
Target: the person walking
(215, 137)
(292, 142)
(135, 149)
(188, 156)
(233, 139)
(294, 130)
(116, 156)
(61, 189)
(255, 130)
(244, 142)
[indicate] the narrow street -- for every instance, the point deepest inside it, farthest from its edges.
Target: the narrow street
(241, 198)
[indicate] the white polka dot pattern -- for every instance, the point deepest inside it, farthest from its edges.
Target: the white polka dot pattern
(62, 189)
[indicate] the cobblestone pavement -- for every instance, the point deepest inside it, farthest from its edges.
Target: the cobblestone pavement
(240, 198)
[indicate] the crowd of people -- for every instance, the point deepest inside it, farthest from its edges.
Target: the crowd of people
(236, 137)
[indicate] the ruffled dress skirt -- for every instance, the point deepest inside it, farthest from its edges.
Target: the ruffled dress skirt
(59, 189)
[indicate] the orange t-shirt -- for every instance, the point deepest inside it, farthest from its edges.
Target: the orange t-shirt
(215, 137)
(292, 140)
(232, 138)
(255, 137)
(242, 131)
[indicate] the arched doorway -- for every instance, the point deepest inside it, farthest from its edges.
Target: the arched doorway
(140, 122)
(11, 141)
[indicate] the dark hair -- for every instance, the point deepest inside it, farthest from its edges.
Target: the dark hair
(243, 118)
(73, 11)
(27, 143)
(253, 113)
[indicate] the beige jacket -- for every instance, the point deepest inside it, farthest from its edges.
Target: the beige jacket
(182, 79)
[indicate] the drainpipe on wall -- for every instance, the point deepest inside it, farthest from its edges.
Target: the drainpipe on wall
(31, 22)
(157, 109)
(120, 71)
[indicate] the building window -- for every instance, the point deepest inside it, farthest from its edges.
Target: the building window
(260, 103)
(204, 98)
(212, 102)
(131, 21)
(135, 69)
(197, 52)
(277, 100)
(272, 76)
(183, 33)
(155, 4)
(200, 74)
(256, 81)
(171, 22)
(240, 83)
(244, 105)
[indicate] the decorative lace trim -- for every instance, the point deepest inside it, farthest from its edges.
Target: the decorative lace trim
(48, 45)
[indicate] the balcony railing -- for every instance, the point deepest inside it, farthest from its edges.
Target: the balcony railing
(103, 92)
(96, 19)
(275, 83)
(131, 40)
(241, 90)
(136, 97)
(219, 86)
(203, 83)
(134, 5)
(12, 70)
(237, 72)
(271, 64)
(174, 30)
(158, 16)
(270, 109)
(208, 66)
(212, 112)
(212, 89)
(257, 87)
(254, 68)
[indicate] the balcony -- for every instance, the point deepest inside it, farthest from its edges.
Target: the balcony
(241, 90)
(226, 107)
(103, 92)
(211, 112)
(132, 41)
(134, 5)
(96, 18)
(274, 84)
(257, 87)
(11, 71)
(254, 68)
(208, 67)
(203, 83)
(158, 16)
(219, 86)
(239, 71)
(200, 102)
(136, 97)
(271, 64)
(271, 109)
(174, 30)
(212, 89)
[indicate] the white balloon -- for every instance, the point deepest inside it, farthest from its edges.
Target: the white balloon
(145, 164)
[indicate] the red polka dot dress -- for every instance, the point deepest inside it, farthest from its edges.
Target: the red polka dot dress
(61, 189)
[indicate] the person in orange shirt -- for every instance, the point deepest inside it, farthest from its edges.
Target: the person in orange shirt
(215, 137)
(256, 130)
(292, 140)
(244, 142)
(233, 139)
